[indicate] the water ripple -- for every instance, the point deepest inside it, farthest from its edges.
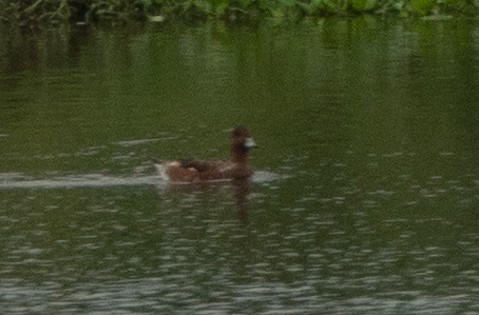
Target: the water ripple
(21, 181)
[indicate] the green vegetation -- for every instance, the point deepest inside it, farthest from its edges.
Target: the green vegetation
(28, 12)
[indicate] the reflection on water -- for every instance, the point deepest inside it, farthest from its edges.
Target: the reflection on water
(366, 186)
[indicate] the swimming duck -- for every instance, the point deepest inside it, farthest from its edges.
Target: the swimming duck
(191, 170)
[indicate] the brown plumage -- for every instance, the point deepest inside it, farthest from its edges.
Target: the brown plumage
(191, 170)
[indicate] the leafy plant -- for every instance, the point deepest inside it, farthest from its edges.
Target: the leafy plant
(363, 5)
(422, 7)
(333, 6)
(28, 12)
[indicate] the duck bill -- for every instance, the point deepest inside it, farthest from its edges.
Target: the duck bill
(249, 143)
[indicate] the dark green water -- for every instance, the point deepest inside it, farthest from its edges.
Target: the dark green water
(365, 200)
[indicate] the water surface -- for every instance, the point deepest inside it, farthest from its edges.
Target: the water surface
(367, 187)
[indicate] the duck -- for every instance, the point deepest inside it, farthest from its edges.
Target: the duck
(193, 170)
